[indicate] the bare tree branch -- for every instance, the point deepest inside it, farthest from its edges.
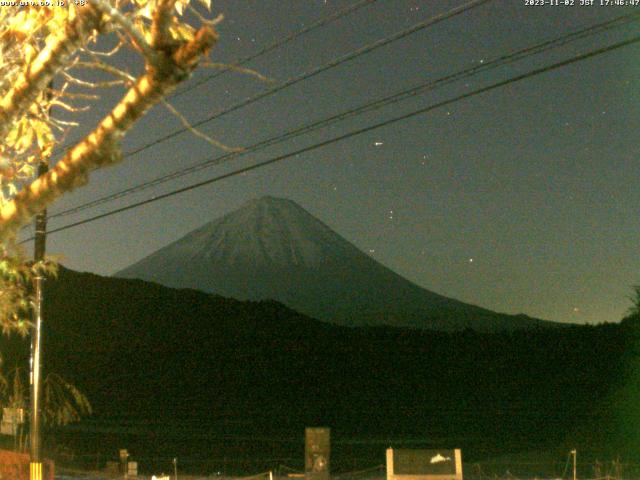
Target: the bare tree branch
(136, 36)
(116, 72)
(239, 69)
(161, 38)
(110, 53)
(93, 85)
(198, 133)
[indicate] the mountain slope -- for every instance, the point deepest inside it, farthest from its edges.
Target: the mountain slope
(274, 249)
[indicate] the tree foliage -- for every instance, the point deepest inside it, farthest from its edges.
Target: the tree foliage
(63, 403)
(634, 309)
(49, 56)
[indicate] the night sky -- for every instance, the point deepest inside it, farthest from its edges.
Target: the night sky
(522, 199)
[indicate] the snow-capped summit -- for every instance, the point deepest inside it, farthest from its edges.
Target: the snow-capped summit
(272, 248)
(266, 231)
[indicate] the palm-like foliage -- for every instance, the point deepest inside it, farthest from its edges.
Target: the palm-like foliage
(63, 403)
(634, 309)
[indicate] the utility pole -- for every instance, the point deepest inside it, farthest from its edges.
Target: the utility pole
(35, 460)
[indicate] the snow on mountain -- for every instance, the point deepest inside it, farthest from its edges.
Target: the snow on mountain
(273, 248)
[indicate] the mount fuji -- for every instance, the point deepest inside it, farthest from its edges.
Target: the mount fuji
(272, 248)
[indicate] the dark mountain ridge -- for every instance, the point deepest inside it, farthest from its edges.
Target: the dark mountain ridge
(272, 248)
(150, 357)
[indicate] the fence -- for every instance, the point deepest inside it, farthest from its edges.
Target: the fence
(361, 468)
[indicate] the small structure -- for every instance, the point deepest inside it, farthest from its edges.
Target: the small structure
(406, 464)
(123, 454)
(317, 452)
(12, 418)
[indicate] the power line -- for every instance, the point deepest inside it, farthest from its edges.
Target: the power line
(408, 93)
(354, 133)
(312, 73)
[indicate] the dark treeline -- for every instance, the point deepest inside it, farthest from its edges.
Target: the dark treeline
(179, 371)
